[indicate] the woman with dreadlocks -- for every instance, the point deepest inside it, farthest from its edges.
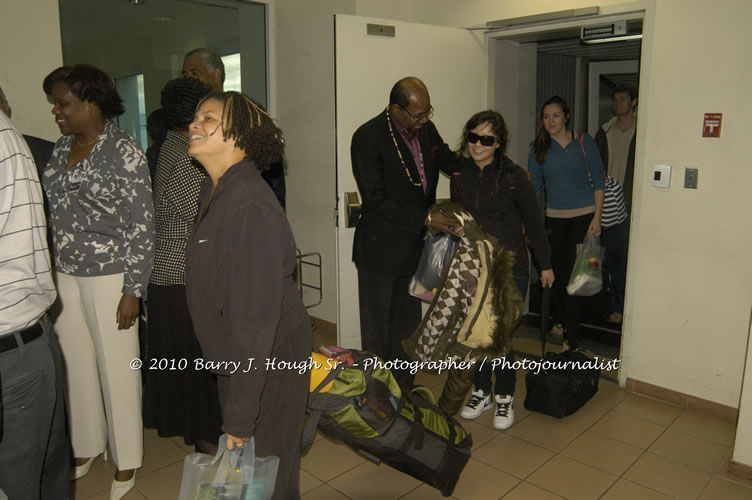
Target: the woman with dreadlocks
(243, 302)
(499, 195)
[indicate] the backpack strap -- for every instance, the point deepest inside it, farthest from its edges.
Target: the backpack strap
(312, 420)
(581, 140)
(309, 430)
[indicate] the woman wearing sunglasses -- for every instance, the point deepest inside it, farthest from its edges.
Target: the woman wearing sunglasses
(574, 202)
(502, 200)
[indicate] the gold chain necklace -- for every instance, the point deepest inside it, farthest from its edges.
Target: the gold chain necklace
(84, 144)
(399, 153)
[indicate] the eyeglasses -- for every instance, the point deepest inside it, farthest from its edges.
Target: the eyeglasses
(420, 117)
(486, 140)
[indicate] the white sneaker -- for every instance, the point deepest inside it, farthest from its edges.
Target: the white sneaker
(479, 402)
(504, 417)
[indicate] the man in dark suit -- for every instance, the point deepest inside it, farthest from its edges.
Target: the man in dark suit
(396, 158)
(41, 149)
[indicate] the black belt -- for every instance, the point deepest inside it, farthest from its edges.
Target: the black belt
(9, 342)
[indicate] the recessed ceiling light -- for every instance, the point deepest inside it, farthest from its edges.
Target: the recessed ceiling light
(137, 2)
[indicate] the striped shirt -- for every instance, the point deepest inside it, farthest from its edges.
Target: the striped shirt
(177, 183)
(614, 209)
(26, 287)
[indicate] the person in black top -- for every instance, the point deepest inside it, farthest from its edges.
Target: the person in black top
(243, 302)
(181, 402)
(501, 198)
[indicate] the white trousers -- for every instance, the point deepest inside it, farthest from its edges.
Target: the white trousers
(103, 392)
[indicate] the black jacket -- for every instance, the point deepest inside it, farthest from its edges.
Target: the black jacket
(601, 140)
(243, 301)
(389, 234)
(501, 200)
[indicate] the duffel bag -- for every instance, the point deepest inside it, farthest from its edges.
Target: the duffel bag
(565, 382)
(363, 406)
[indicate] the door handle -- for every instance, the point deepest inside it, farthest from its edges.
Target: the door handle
(352, 207)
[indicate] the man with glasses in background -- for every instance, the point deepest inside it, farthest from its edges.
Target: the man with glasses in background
(207, 66)
(396, 158)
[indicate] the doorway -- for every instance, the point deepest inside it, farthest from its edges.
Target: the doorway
(149, 39)
(529, 66)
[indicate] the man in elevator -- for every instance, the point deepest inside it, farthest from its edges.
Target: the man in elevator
(616, 142)
(396, 158)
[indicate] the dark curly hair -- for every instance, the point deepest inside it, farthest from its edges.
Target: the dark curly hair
(498, 126)
(543, 141)
(180, 97)
(88, 83)
(253, 130)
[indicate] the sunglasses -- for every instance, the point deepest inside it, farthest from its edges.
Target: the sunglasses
(485, 140)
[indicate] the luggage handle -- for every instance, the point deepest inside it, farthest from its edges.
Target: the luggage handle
(309, 430)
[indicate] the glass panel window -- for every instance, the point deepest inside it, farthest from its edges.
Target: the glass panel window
(133, 121)
(232, 72)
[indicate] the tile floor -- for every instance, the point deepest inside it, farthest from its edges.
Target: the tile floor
(619, 446)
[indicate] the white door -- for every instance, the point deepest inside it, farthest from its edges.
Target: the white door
(452, 64)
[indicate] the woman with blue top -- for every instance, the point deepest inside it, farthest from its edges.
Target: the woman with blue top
(574, 201)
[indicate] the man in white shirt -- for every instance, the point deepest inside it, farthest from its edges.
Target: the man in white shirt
(616, 142)
(34, 449)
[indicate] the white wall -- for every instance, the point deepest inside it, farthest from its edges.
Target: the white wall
(303, 88)
(743, 444)
(30, 41)
(689, 281)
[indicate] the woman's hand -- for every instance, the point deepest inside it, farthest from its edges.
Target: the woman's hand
(547, 278)
(595, 226)
(444, 222)
(127, 312)
(233, 441)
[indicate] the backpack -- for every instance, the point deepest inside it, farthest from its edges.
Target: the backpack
(363, 406)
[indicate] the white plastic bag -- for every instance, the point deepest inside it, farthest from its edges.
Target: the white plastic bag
(587, 275)
(229, 475)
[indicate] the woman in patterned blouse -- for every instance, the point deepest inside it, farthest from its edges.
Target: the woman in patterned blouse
(98, 186)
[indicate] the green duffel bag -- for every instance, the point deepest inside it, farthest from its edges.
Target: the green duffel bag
(363, 406)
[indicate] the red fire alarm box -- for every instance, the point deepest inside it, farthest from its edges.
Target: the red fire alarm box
(711, 125)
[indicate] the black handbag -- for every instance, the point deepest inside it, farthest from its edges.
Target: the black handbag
(569, 382)
(565, 381)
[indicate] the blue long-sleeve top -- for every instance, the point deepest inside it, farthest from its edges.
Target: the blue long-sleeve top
(565, 176)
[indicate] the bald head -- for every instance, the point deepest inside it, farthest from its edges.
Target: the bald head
(410, 104)
(407, 89)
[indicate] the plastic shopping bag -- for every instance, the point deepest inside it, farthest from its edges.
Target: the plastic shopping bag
(229, 475)
(587, 277)
(438, 251)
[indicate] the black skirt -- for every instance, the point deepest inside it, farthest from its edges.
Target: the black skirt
(179, 400)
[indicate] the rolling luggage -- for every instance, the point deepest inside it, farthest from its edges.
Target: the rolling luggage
(363, 406)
